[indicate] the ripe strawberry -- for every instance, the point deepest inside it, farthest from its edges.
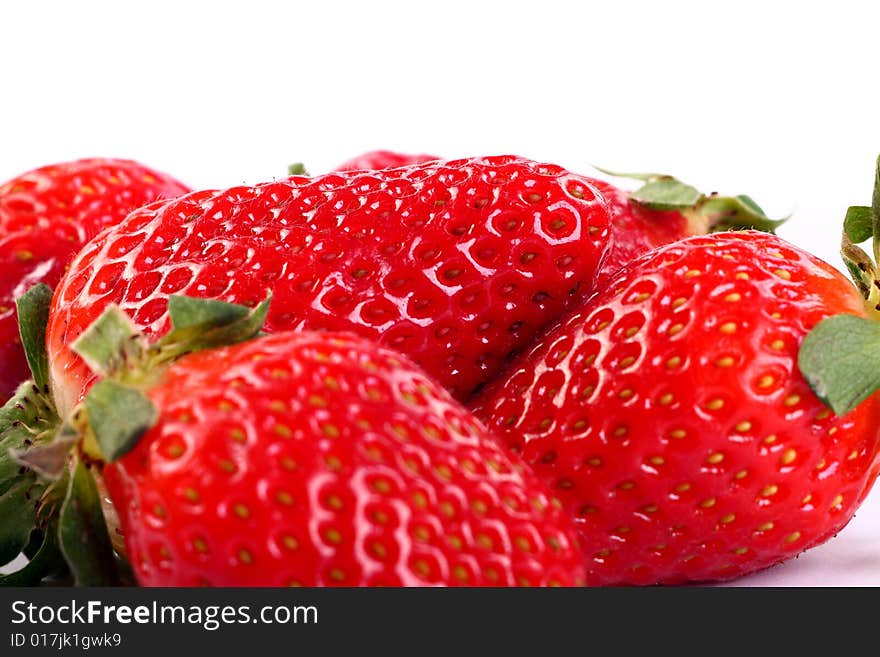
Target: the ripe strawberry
(317, 459)
(383, 160)
(455, 264)
(46, 215)
(671, 418)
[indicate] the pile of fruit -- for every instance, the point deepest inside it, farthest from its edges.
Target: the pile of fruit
(412, 371)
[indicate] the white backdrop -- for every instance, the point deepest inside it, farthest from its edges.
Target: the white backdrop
(777, 100)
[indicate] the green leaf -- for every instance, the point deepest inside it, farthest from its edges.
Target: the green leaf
(840, 359)
(199, 324)
(297, 169)
(668, 194)
(33, 315)
(109, 342)
(750, 203)
(118, 416)
(28, 420)
(47, 561)
(82, 533)
(858, 224)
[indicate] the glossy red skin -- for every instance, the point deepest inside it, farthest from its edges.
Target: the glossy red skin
(384, 160)
(455, 264)
(637, 229)
(320, 460)
(668, 461)
(46, 215)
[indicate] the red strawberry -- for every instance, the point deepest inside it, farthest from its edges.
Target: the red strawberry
(455, 264)
(46, 215)
(671, 418)
(309, 459)
(383, 160)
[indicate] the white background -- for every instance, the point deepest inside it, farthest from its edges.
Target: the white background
(777, 100)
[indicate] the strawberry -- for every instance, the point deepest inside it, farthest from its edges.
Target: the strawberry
(300, 458)
(46, 215)
(670, 416)
(383, 160)
(455, 264)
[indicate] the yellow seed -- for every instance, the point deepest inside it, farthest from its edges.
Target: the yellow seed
(626, 393)
(725, 361)
(523, 544)
(651, 508)
(791, 538)
(337, 575)
(334, 502)
(602, 554)
(708, 503)
(238, 435)
(728, 328)
(715, 404)
(191, 494)
(742, 474)
(691, 273)
(288, 463)
(479, 507)
(673, 362)
(225, 406)
(769, 491)
(631, 331)
(381, 486)
(807, 498)
(241, 511)
(461, 573)
(743, 426)
(783, 274)
(853, 455)
(283, 497)
(677, 433)
(680, 301)
(245, 557)
(766, 527)
(821, 464)
(227, 466)
(421, 533)
(791, 400)
(776, 315)
(657, 460)
(769, 440)
(741, 550)
(832, 431)
(455, 542)
(666, 399)
(330, 430)
(282, 430)
(777, 345)
(333, 536)
(602, 325)
(621, 431)
(788, 457)
(743, 276)
(641, 297)
(622, 530)
(727, 518)
(317, 401)
(626, 362)
(277, 405)
(626, 485)
(674, 329)
(594, 461)
(823, 414)
(766, 381)
(836, 501)
(733, 297)
(715, 458)
(683, 488)
(200, 545)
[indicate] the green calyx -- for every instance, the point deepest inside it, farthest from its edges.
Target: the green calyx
(117, 409)
(297, 169)
(49, 500)
(705, 213)
(840, 357)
